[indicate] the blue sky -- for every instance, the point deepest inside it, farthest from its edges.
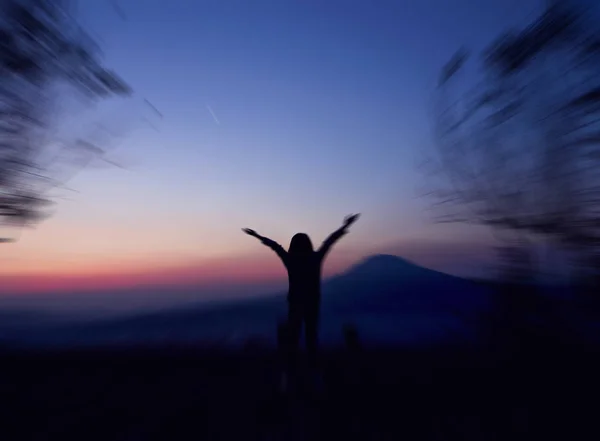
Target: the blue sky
(322, 109)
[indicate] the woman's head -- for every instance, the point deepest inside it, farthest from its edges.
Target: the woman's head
(301, 244)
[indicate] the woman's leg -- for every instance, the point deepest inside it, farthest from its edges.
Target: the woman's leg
(293, 330)
(311, 324)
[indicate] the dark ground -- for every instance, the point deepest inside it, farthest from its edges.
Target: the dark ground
(550, 392)
(534, 378)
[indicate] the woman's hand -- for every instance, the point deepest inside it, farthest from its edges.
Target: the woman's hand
(250, 232)
(350, 219)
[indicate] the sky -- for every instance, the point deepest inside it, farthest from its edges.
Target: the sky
(281, 116)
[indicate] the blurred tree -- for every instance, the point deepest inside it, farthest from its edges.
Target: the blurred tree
(517, 142)
(44, 54)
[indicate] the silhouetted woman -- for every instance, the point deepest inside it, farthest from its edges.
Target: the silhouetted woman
(303, 265)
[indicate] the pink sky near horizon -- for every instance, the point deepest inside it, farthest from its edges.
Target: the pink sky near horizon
(230, 271)
(57, 257)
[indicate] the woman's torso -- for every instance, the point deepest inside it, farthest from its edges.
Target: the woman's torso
(304, 276)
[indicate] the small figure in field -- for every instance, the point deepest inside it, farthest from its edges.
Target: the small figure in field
(303, 265)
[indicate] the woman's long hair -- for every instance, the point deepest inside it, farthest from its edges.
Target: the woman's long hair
(300, 245)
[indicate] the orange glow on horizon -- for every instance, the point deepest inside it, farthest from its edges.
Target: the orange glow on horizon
(90, 275)
(27, 270)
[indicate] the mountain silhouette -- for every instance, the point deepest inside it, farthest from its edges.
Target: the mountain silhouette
(388, 298)
(385, 282)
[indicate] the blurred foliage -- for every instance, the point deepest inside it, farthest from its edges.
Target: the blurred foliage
(517, 143)
(44, 53)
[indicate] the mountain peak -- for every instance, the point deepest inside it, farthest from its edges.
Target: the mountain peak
(385, 258)
(383, 262)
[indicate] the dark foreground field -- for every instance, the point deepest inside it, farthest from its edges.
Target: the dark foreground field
(541, 391)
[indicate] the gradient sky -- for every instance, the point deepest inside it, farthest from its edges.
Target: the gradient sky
(320, 109)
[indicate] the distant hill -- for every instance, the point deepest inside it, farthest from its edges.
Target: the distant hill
(389, 299)
(383, 283)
